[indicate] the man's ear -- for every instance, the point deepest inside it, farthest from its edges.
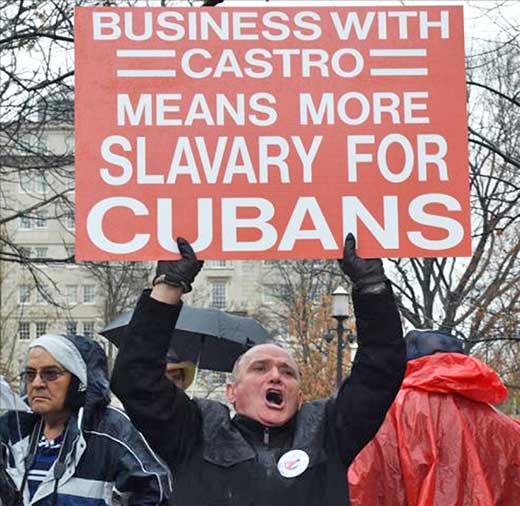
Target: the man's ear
(300, 399)
(230, 393)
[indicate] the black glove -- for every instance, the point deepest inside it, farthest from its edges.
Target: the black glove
(181, 272)
(367, 275)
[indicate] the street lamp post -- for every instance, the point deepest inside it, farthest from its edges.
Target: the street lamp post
(340, 314)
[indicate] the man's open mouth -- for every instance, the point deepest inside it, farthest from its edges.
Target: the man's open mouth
(274, 398)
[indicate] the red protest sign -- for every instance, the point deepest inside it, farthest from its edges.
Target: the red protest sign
(271, 133)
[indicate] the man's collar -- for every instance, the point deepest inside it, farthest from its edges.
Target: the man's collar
(255, 429)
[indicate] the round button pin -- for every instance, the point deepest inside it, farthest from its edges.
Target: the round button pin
(293, 463)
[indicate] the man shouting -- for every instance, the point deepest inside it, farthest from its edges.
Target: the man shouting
(276, 450)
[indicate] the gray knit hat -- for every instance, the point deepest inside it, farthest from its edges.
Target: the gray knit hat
(65, 353)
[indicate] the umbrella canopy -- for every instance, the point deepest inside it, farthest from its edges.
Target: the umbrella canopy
(8, 399)
(211, 338)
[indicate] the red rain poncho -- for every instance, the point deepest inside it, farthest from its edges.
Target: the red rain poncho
(442, 443)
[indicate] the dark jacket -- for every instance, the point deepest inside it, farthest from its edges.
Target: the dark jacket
(102, 448)
(219, 461)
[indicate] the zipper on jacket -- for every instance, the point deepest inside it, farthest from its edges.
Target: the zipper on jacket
(266, 436)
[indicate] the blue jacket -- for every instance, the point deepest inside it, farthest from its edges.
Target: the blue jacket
(102, 449)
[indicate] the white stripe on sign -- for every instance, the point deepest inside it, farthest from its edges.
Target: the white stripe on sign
(399, 72)
(146, 73)
(145, 53)
(398, 52)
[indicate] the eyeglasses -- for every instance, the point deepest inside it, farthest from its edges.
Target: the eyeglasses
(47, 374)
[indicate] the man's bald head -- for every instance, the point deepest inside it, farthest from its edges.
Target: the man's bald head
(249, 355)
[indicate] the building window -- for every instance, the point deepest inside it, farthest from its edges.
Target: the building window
(25, 252)
(69, 221)
(41, 328)
(24, 331)
(72, 327)
(216, 264)
(34, 142)
(69, 144)
(40, 299)
(72, 294)
(25, 222)
(88, 329)
(218, 294)
(41, 219)
(88, 294)
(24, 292)
(40, 184)
(41, 251)
(25, 182)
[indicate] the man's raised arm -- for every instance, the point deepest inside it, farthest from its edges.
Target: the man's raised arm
(380, 363)
(169, 420)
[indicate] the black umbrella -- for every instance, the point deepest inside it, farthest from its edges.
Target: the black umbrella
(211, 338)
